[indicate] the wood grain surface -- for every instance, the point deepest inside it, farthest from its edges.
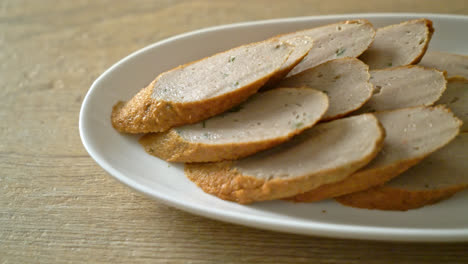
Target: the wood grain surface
(58, 206)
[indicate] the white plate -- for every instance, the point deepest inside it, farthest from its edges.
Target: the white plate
(122, 157)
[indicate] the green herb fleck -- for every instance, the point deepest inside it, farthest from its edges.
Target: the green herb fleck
(340, 51)
(390, 64)
(235, 109)
(203, 124)
(325, 92)
(277, 46)
(232, 59)
(236, 84)
(300, 124)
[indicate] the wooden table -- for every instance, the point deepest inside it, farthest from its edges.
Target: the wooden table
(58, 206)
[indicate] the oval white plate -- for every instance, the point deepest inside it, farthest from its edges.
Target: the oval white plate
(122, 157)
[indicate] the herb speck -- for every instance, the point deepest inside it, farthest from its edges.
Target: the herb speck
(300, 124)
(390, 64)
(203, 124)
(340, 51)
(232, 59)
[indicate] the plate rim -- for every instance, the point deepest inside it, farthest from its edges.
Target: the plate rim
(343, 231)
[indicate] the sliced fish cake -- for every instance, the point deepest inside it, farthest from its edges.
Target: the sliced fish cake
(201, 89)
(325, 154)
(339, 40)
(436, 178)
(456, 98)
(345, 81)
(403, 87)
(302, 46)
(411, 135)
(399, 45)
(454, 64)
(263, 121)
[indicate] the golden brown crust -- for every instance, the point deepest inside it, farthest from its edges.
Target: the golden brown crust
(426, 41)
(366, 178)
(341, 115)
(409, 67)
(390, 198)
(282, 73)
(367, 22)
(357, 21)
(171, 147)
(358, 181)
(457, 78)
(279, 75)
(430, 32)
(144, 114)
(224, 181)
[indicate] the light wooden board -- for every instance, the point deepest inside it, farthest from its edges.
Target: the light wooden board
(58, 206)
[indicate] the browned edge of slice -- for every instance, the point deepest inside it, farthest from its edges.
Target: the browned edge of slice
(160, 116)
(427, 40)
(365, 178)
(355, 21)
(366, 108)
(433, 175)
(170, 146)
(457, 79)
(418, 58)
(144, 114)
(389, 198)
(224, 181)
(462, 116)
(448, 68)
(279, 75)
(328, 117)
(358, 181)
